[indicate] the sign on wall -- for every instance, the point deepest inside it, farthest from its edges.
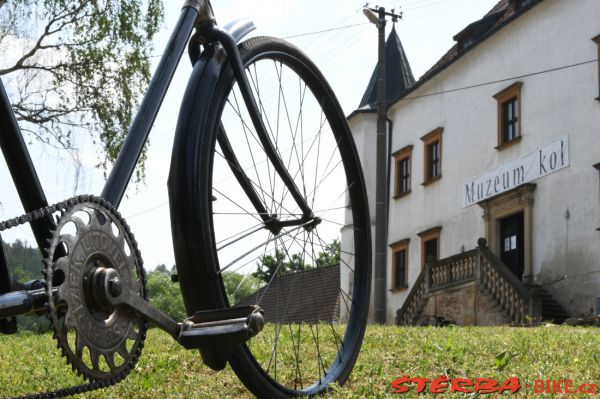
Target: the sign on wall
(529, 167)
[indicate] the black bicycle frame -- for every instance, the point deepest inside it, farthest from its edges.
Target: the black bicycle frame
(19, 161)
(195, 14)
(24, 175)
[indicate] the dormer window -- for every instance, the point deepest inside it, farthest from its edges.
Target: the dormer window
(475, 31)
(518, 4)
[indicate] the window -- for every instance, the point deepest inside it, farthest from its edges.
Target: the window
(433, 155)
(510, 119)
(597, 41)
(509, 115)
(430, 245)
(403, 160)
(400, 265)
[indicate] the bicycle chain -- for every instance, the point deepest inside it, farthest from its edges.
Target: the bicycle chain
(62, 207)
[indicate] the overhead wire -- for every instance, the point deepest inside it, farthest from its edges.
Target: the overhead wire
(298, 35)
(348, 43)
(473, 86)
(325, 30)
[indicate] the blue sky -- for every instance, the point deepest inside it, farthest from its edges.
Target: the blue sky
(346, 56)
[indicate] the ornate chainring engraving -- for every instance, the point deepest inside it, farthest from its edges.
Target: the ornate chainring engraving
(92, 254)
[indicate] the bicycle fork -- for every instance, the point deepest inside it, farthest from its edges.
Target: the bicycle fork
(272, 222)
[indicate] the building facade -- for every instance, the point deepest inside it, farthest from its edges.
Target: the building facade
(500, 139)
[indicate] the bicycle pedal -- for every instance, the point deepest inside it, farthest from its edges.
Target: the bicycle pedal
(221, 327)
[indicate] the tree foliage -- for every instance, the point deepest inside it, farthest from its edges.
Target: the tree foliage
(25, 261)
(162, 268)
(26, 264)
(330, 255)
(78, 65)
(165, 295)
(281, 262)
(239, 287)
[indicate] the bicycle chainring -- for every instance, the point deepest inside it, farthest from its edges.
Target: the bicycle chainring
(92, 241)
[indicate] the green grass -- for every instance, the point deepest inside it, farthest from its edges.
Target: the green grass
(30, 363)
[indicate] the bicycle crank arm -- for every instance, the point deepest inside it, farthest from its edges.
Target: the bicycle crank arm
(214, 327)
(117, 295)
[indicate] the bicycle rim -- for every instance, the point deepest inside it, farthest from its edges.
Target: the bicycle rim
(314, 290)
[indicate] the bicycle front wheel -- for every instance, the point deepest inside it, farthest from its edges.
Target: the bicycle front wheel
(311, 277)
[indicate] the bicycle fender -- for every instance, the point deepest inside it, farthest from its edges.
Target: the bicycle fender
(186, 217)
(189, 136)
(239, 28)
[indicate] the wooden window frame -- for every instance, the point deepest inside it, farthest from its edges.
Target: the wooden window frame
(398, 247)
(597, 41)
(428, 235)
(400, 156)
(428, 140)
(511, 93)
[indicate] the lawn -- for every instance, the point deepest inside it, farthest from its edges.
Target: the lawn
(30, 363)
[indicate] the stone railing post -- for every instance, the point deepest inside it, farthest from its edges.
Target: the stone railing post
(428, 277)
(481, 243)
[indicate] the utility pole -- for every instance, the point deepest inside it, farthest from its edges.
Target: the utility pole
(377, 16)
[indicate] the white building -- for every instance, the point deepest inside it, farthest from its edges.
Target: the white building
(500, 139)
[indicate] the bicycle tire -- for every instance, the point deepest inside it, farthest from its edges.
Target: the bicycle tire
(335, 357)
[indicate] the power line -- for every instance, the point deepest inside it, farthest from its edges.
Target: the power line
(499, 80)
(127, 59)
(325, 30)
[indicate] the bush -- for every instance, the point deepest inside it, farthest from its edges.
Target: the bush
(165, 295)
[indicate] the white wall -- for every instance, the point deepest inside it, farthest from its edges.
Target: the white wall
(552, 35)
(363, 126)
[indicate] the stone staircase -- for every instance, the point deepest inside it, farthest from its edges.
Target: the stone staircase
(488, 285)
(551, 309)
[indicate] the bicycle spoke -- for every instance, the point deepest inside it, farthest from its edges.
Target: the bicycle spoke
(260, 246)
(259, 187)
(241, 237)
(246, 212)
(246, 130)
(290, 269)
(264, 114)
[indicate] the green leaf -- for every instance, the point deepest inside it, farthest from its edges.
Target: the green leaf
(448, 344)
(502, 360)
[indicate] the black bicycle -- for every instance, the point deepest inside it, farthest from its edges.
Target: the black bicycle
(264, 182)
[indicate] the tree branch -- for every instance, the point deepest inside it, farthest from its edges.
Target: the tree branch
(20, 64)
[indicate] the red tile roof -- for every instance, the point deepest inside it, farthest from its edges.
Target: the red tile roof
(307, 296)
(499, 16)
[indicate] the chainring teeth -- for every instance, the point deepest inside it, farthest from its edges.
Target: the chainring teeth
(95, 341)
